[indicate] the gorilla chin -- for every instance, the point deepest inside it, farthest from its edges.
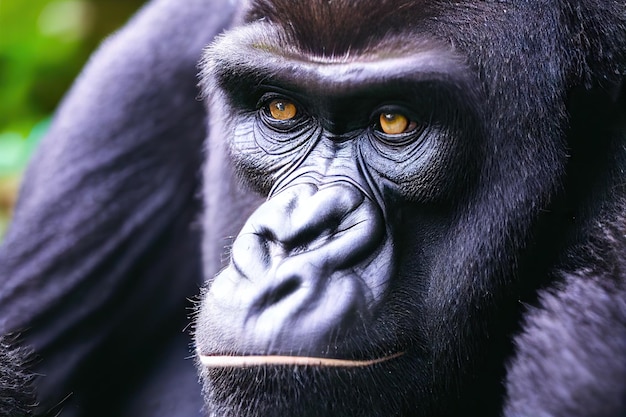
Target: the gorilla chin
(299, 386)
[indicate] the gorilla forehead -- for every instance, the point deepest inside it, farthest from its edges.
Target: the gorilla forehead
(324, 27)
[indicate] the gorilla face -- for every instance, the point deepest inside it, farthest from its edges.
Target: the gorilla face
(366, 283)
(347, 166)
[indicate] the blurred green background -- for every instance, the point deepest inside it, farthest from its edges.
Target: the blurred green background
(43, 45)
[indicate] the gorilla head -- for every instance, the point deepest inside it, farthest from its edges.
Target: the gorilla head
(442, 232)
(413, 157)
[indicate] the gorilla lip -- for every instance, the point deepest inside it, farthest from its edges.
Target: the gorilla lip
(227, 361)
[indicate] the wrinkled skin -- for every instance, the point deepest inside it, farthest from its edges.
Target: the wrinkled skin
(422, 205)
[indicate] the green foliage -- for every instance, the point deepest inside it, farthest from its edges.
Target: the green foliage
(43, 45)
(15, 150)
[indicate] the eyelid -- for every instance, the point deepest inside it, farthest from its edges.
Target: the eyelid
(397, 108)
(267, 95)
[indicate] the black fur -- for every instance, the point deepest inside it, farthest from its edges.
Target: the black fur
(565, 361)
(16, 397)
(522, 309)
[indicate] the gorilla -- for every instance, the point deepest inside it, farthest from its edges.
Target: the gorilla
(389, 208)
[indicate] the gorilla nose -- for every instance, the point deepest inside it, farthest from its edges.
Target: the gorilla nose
(296, 274)
(335, 222)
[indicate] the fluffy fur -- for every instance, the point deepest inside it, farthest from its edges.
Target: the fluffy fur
(16, 397)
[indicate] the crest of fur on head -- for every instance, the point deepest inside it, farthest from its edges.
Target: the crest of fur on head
(338, 27)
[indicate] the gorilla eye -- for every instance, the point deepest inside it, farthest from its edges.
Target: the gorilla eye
(395, 123)
(281, 109)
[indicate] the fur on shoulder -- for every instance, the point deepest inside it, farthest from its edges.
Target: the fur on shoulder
(16, 396)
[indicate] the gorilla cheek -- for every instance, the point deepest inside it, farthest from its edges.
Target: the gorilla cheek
(306, 274)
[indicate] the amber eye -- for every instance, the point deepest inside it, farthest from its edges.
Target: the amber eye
(394, 123)
(281, 109)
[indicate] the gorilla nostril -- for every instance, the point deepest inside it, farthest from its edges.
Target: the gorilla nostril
(276, 294)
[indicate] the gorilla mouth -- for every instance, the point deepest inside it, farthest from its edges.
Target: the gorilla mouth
(246, 361)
